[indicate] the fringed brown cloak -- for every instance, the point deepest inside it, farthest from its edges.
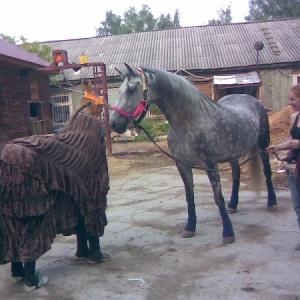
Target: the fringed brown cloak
(47, 183)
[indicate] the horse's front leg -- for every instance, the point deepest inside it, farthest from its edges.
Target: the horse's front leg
(228, 234)
(234, 199)
(187, 178)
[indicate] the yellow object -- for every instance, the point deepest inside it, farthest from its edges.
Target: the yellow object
(83, 58)
(144, 81)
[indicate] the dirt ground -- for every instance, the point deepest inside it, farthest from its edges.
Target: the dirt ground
(130, 157)
(279, 132)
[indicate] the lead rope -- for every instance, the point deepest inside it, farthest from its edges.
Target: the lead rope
(139, 126)
(277, 157)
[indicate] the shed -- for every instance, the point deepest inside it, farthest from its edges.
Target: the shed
(25, 96)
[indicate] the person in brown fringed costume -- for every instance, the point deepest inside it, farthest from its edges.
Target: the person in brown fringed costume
(54, 184)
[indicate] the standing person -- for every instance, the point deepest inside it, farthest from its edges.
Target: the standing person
(293, 145)
(50, 185)
(88, 243)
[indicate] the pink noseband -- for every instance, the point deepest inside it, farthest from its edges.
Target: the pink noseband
(141, 108)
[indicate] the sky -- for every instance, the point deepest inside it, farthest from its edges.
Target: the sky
(40, 20)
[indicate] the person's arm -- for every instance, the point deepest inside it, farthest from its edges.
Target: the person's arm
(289, 144)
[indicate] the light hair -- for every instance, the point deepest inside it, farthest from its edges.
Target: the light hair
(296, 90)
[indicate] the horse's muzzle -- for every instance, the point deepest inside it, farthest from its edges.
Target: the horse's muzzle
(118, 129)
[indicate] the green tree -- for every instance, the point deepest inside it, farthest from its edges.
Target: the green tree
(224, 17)
(176, 20)
(139, 21)
(164, 22)
(260, 10)
(111, 25)
(42, 51)
(8, 38)
(136, 21)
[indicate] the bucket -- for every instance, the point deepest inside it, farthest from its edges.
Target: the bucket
(83, 58)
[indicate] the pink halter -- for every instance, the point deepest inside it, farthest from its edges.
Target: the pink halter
(141, 108)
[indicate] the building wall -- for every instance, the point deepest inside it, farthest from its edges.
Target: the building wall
(206, 87)
(273, 90)
(15, 95)
(275, 86)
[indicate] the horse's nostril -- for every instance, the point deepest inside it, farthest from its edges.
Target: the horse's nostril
(113, 125)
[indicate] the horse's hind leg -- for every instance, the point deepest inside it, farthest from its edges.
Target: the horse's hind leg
(214, 177)
(272, 203)
(234, 199)
(187, 178)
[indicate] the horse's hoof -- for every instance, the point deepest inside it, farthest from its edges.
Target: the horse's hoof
(272, 208)
(231, 210)
(228, 240)
(188, 234)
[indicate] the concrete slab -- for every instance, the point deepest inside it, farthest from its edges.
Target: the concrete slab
(146, 214)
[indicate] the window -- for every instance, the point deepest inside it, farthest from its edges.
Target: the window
(34, 90)
(61, 109)
(35, 111)
(296, 79)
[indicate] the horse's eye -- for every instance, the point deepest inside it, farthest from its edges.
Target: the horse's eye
(130, 87)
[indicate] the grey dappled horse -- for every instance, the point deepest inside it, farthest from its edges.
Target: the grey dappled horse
(202, 133)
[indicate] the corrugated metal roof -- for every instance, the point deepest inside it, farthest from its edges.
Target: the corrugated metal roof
(12, 51)
(192, 48)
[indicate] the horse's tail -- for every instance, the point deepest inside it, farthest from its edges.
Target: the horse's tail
(255, 170)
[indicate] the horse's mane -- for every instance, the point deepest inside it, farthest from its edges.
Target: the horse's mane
(178, 88)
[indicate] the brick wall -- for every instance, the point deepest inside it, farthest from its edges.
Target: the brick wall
(15, 95)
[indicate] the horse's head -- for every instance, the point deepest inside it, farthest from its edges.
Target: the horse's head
(131, 102)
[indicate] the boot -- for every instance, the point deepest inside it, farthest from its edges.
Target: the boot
(17, 271)
(82, 246)
(31, 280)
(95, 255)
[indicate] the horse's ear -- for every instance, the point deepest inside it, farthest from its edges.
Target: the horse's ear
(123, 76)
(118, 71)
(130, 70)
